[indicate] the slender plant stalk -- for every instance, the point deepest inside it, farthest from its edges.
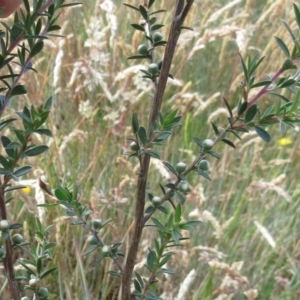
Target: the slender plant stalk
(181, 11)
(8, 261)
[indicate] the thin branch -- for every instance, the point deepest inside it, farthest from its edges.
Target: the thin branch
(181, 12)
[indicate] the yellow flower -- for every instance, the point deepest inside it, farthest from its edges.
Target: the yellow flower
(26, 189)
(284, 142)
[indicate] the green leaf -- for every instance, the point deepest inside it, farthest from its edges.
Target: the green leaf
(282, 127)
(156, 27)
(289, 31)
(131, 6)
(242, 108)
(234, 133)
(22, 171)
(151, 2)
(168, 271)
(244, 69)
(262, 133)
(48, 205)
(281, 97)
(288, 65)
(178, 213)
(297, 14)
(142, 135)
(215, 128)
(46, 132)
(134, 123)
(15, 187)
(176, 235)
(295, 102)
(262, 83)
(138, 27)
(150, 209)
(90, 249)
(162, 209)
(286, 83)
(159, 225)
(30, 270)
(15, 226)
(161, 43)
(5, 123)
(228, 107)
(4, 171)
(137, 286)
(47, 272)
(250, 113)
(152, 154)
(18, 90)
(4, 162)
(283, 46)
(37, 150)
(198, 142)
(170, 167)
(114, 273)
(186, 28)
(180, 197)
(202, 173)
(62, 194)
(151, 257)
(157, 12)
(231, 144)
(214, 154)
(139, 278)
(143, 12)
(37, 48)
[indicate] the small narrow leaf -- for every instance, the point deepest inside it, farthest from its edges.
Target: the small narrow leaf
(178, 213)
(152, 153)
(37, 48)
(131, 6)
(47, 272)
(156, 27)
(283, 46)
(186, 28)
(200, 144)
(22, 171)
(143, 12)
(262, 133)
(202, 173)
(18, 90)
(215, 128)
(242, 108)
(134, 123)
(228, 107)
(244, 68)
(250, 113)
(150, 3)
(138, 27)
(62, 194)
(214, 154)
(231, 144)
(262, 83)
(36, 150)
(114, 273)
(288, 65)
(170, 167)
(142, 135)
(297, 14)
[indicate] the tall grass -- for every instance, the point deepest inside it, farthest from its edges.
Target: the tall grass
(247, 246)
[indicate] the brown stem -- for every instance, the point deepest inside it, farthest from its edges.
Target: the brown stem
(8, 261)
(181, 12)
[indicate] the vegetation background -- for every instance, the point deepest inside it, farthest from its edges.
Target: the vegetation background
(248, 240)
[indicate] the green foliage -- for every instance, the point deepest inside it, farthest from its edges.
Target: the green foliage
(245, 113)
